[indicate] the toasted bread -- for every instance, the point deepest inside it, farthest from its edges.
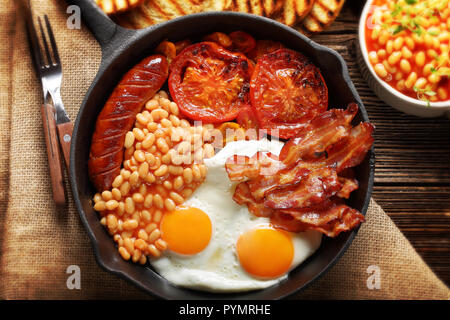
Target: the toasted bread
(157, 11)
(322, 14)
(294, 11)
(303, 7)
(116, 6)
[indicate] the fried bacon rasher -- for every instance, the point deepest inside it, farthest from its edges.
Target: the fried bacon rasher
(304, 188)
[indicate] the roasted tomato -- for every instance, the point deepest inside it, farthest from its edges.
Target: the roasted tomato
(181, 45)
(167, 49)
(262, 47)
(242, 41)
(219, 38)
(246, 118)
(287, 91)
(210, 83)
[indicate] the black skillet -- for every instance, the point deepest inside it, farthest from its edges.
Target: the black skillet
(121, 50)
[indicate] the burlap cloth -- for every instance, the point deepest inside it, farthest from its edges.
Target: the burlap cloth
(37, 243)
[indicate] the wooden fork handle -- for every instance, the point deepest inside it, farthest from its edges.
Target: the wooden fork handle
(53, 154)
(65, 137)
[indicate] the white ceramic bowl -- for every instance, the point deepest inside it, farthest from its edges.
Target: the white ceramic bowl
(384, 91)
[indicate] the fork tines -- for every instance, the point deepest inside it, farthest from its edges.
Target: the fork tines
(55, 61)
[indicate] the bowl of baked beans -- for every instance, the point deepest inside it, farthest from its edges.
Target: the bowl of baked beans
(404, 54)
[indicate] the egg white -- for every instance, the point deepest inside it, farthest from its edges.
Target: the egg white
(217, 267)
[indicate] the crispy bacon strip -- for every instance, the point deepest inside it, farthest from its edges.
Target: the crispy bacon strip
(348, 152)
(330, 217)
(348, 186)
(240, 168)
(351, 151)
(318, 186)
(243, 196)
(323, 131)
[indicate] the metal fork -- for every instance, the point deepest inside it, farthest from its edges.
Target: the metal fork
(51, 76)
(57, 125)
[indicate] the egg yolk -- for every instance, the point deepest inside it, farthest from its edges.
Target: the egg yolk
(265, 252)
(186, 230)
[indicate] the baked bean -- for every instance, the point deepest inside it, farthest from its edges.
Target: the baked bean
(398, 43)
(411, 80)
(434, 78)
(121, 208)
(134, 178)
(158, 201)
(143, 170)
(136, 255)
(154, 235)
(380, 70)
(153, 251)
(169, 204)
(167, 184)
(178, 199)
(150, 227)
(107, 195)
(125, 174)
(130, 224)
(124, 253)
(112, 204)
(159, 114)
(148, 141)
(406, 53)
(129, 205)
(138, 134)
(128, 244)
(98, 197)
(143, 120)
(139, 155)
(186, 193)
(420, 58)
(138, 198)
(382, 53)
(427, 69)
(150, 178)
(111, 221)
(157, 215)
(394, 57)
(405, 66)
(125, 188)
(196, 173)
(129, 139)
(161, 171)
(146, 215)
(140, 243)
(152, 104)
(389, 68)
(161, 244)
(178, 183)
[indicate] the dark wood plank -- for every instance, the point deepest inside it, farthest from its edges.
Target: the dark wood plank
(412, 175)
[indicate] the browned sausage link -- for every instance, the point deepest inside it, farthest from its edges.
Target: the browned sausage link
(118, 116)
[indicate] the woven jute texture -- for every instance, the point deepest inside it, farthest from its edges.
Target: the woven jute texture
(39, 243)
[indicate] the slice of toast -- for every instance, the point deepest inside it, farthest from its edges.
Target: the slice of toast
(117, 6)
(322, 14)
(303, 7)
(294, 11)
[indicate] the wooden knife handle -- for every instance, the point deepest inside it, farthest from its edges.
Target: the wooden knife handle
(53, 154)
(65, 137)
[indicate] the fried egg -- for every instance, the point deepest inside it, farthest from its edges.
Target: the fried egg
(219, 246)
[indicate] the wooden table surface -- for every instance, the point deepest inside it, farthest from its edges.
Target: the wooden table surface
(412, 171)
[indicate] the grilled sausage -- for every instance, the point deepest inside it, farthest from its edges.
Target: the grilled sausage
(118, 116)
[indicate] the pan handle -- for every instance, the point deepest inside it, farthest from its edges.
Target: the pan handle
(103, 28)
